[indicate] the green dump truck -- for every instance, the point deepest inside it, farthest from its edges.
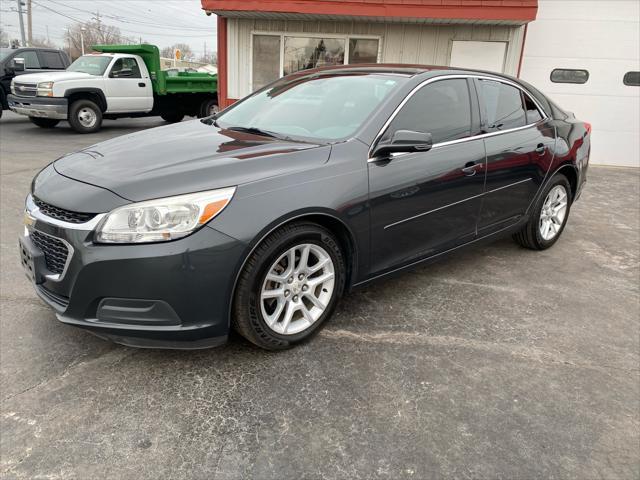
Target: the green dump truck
(118, 81)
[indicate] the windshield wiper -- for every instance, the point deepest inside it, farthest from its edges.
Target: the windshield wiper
(254, 130)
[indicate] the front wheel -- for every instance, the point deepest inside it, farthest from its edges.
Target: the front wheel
(172, 117)
(289, 286)
(44, 122)
(548, 217)
(85, 116)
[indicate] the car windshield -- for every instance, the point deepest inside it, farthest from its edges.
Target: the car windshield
(4, 52)
(321, 107)
(92, 64)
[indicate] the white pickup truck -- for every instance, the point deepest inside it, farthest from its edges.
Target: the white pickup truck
(121, 81)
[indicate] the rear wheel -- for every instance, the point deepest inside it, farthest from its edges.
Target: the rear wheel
(85, 116)
(172, 117)
(549, 216)
(289, 286)
(208, 107)
(44, 122)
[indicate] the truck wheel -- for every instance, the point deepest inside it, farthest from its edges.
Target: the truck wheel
(44, 122)
(85, 116)
(172, 117)
(208, 107)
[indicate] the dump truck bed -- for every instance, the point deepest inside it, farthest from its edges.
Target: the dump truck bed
(162, 82)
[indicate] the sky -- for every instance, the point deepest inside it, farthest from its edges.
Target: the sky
(160, 22)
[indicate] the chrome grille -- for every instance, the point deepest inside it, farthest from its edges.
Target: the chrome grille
(25, 89)
(54, 249)
(62, 214)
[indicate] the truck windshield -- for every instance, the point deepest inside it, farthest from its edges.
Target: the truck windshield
(324, 107)
(92, 64)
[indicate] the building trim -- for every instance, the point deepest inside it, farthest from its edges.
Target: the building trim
(524, 40)
(515, 10)
(223, 101)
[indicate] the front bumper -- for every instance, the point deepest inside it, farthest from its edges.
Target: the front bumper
(165, 295)
(42, 107)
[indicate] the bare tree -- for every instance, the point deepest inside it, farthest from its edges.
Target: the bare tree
(187, 53)
(42, 42)
(4, 38)
(210, 58)
(94, 33)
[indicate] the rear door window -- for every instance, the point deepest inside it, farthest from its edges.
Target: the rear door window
(442, 108)
(502, 105)
(51, 60)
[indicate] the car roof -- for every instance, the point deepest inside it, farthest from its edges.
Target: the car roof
(409, 70)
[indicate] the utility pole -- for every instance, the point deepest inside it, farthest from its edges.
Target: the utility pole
(24, 42)
(99, 26)
(29, 24)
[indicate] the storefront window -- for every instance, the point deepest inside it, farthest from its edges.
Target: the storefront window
(301, 53)
(266, 60)
(363, 50)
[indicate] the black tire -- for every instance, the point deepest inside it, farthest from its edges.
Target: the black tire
(530, 236)
(172, 117)
(247, 317)
(206, 107)
(77, 108)
(44, 122)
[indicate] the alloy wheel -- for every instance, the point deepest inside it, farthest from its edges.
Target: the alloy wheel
(554, 211)
(297, 289)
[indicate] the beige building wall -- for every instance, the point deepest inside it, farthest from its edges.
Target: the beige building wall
(428, 44)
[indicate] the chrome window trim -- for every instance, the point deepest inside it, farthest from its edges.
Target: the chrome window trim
(34, 211)
(459, 140)
(456, 203)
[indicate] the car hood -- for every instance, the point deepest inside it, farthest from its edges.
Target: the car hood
(51, 77)
(184, 158)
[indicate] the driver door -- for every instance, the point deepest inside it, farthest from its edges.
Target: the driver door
(127, 89)
(424, 203)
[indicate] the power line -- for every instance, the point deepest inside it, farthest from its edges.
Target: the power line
(136, 32)
(122, 19)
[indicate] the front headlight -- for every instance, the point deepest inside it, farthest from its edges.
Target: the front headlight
(162, 219)
(45, 89)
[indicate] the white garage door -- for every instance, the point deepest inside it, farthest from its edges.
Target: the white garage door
(600, 38)
(478, 55)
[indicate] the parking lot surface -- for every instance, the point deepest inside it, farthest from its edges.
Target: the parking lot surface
(496, 363)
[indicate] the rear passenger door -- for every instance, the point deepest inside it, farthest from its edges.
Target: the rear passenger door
(519, 151)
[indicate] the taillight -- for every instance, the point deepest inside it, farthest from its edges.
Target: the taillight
(587, 127)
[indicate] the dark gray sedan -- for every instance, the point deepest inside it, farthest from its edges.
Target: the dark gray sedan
(262, 217)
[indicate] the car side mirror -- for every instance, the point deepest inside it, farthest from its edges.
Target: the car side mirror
(17, 65)
(405, 141)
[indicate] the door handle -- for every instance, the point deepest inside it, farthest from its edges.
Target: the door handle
(141, 84)
(471, 168)
(540, 149)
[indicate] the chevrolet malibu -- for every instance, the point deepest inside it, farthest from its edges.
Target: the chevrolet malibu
(261, 217)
